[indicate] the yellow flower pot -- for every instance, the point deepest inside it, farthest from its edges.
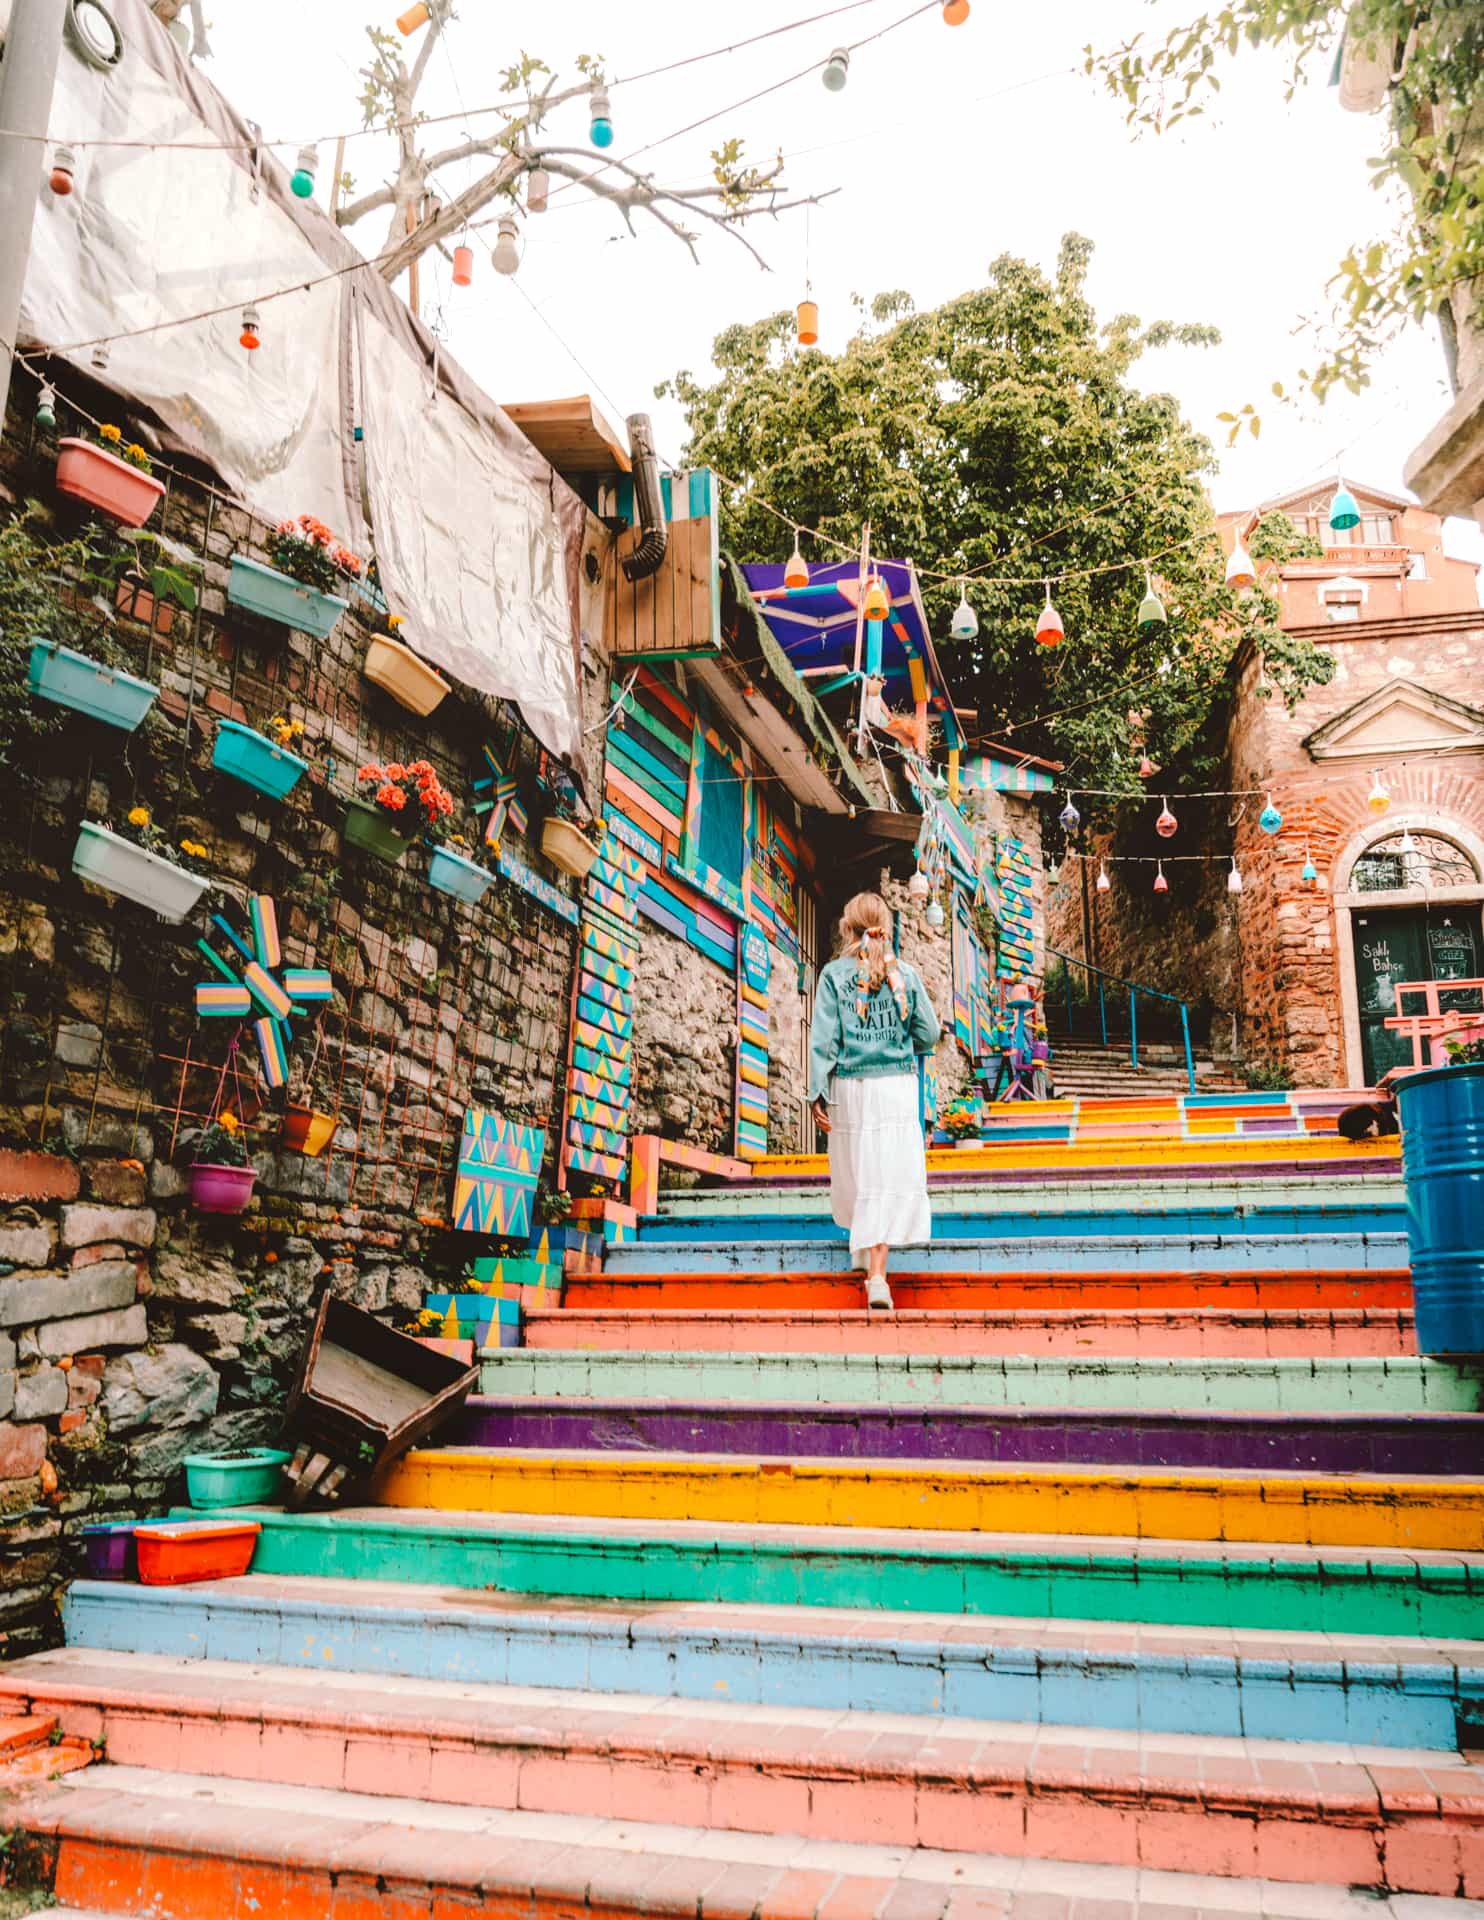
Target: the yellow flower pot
(399, 672)
(568, 848)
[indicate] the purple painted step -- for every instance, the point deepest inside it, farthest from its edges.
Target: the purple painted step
(1422, 1443)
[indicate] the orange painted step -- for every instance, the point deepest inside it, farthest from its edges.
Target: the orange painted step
(32, 1750)
(1152, 1332)
(1285, 1291)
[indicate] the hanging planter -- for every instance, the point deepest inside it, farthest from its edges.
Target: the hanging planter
(279, 597)
(453, 872)
(307, 1130)
(126, 493)
(398, 671)
(220, 1189)
(87, 686)
(109, 860)
(256, 760)
(368, 829)
(567, 847)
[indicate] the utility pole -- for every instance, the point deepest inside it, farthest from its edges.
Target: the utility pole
(28, 75)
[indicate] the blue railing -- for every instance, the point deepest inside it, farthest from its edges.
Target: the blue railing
(1134, 990)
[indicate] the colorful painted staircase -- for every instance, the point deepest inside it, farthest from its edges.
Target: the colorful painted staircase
(1135, 1566)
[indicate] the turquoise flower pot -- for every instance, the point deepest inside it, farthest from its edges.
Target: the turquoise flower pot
(253, 759)
(87, 686)
(275, 596)
(249, 1478)
(451, 873)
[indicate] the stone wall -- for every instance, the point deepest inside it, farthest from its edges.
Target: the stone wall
(133, 1330)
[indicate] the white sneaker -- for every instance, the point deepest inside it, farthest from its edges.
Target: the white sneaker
(878, 1294)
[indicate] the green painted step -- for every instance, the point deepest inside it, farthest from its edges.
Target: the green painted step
(1332, 1590)
(1054, 1195)
(1361, 1385)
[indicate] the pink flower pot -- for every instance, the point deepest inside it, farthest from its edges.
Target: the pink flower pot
(104, 481)
(220, 1189)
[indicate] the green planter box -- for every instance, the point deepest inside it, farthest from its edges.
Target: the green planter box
(249, 1478)
(368, 828)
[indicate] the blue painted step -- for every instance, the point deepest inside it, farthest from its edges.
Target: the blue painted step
(1404, 1693)
(1007, 1224)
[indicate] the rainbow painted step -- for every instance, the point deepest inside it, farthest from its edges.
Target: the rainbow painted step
(1011, 1289)
(1434, 1594)
(900, 1380)
(1226, 1333)
(1316, 1510)
(1374, 1691)
(1410, 1443)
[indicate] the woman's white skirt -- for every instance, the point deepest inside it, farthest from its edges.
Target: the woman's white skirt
(878, 1166)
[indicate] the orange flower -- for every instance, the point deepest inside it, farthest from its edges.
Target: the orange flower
(395, 770)
(392, 798)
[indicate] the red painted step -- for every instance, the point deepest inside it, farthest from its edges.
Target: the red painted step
(1222, 1332)
(1263, 1290)
(1335, 1815)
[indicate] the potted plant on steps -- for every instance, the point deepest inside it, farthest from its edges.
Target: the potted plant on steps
(220, 1175)
(264, 761)
(299, 589)
(393, 666)
(110, 474)
(140, 862)
(395, 802)
(1442, 1117)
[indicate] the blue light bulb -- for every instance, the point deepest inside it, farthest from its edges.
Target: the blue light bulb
(1311, 873)
(1070, 818)
(1270, 819)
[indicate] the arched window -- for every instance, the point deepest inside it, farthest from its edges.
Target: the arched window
(1407, 859)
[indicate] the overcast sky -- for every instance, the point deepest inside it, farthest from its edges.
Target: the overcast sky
(947, 147)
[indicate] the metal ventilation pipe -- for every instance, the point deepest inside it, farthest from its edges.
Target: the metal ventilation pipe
(649, 501)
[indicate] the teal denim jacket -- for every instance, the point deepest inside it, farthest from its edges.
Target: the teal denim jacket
(843, 1045)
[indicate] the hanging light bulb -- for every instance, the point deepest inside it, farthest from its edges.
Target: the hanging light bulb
(415, 17)
(1270, 819)
(463, 264)
(808, 323)
(1406, 844)
(99, 355)
(1240, 573)
(1161, 885)
(934, 914)
(955, 12)
(1166, 824)
(301, 184)
(506, 253)
(1049, 630)
(1151, 607)
(1378, 799)
(1343, 512)
(64, 167)
(876, 606)
(965, 622)
(1234, 878)
(796, 567)
(1053, 874)
(1310, 873)
(248, 338)
(1069, 816)
(538, 190)
(1147, 768)
(917, 886)
(601, 108)
(46, 406)
(1103, 882)
(836, 70)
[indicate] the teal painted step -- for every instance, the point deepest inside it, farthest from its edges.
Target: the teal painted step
(1336, 1590)
(1262, 1385)
(1143, 1253)
(1064, 1195)
(952, 1221)
(1373, 1692)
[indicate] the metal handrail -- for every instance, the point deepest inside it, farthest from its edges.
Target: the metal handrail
(1134, 989)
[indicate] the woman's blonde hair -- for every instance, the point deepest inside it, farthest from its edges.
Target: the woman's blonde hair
(867, 917)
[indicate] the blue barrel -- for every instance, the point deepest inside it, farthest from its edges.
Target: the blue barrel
(1442, 1115)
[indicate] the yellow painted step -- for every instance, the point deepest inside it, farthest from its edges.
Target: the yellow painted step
(1302, 1509)
(1132, 1152)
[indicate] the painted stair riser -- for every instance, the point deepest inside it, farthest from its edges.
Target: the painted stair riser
(1439, 1598)
(1419, 1704)
(1339, 1335)
(953, 1223)
(1298, 1386)
(1315, 1158)
(1430, 1444)
(1007, 1291)
(778, 1201)
(1230, 1156)
(1142, 1253)
(1313, 1511)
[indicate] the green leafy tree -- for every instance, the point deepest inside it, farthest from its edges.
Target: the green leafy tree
(1424, 59)
(1000, 437)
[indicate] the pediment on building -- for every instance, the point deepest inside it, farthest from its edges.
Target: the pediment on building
(1398, 718)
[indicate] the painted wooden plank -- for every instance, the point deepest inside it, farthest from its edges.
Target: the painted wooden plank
(657, 819)
(601, 1040)
(668, 697)
(605, 1166)
(662, 723)
(647, 771)
(648, 849)
(603, 1066)
(597, 1139)
(661, 911)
